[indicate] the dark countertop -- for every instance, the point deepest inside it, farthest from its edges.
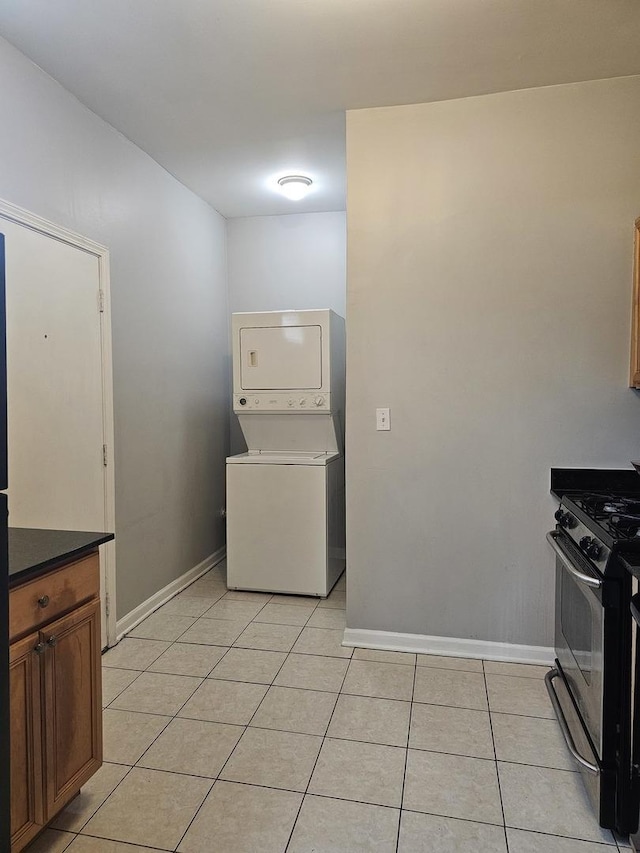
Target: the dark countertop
(33, 551)
(617, 480)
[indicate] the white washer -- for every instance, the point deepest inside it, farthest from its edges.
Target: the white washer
(285, 522)
(285, 496)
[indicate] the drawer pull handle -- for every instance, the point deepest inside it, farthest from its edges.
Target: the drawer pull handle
(52, 641)
(39, 648)
(44, 601)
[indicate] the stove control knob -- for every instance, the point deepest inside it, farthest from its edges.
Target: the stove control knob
(595, 551)
(590, 547)
(564, 518)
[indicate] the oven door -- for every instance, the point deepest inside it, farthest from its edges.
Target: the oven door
(635, 709)
(579, 633)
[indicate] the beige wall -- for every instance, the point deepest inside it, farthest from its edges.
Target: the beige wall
(489, 290)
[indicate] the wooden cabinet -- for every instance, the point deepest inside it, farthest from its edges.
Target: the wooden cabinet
(55, 681)
(634, 376)
(72, 713)
(27, 817)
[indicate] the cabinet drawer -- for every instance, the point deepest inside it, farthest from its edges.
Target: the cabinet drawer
(42, 599)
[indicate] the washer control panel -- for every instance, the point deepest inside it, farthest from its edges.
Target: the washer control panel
(282, 401)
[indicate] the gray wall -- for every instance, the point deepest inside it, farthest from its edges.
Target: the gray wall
(489, 295)
(295, 261)
(169, 317)
(278, 262)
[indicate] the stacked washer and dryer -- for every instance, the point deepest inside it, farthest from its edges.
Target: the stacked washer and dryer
(285, 495)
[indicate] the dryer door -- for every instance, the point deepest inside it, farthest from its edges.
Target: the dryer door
(281, 358)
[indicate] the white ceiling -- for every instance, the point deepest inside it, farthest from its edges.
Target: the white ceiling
(227, 94)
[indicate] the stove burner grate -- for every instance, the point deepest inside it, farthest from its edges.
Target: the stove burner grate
(603, 506)
(628, 524)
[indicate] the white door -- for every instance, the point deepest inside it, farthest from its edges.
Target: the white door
(54, 385)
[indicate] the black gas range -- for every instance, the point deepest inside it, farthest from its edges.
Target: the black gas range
(609, 519)
(591, 686)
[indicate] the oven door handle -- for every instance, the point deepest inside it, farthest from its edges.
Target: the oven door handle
(581, 577)
(548, 680)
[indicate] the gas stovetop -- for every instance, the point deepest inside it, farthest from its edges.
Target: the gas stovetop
(601, 524)
(614, 518)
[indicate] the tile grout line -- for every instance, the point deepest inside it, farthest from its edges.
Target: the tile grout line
(406, 754)
(135, 764)
(604, 844)
(172, 675)
(299, 627)
(142, 639)
(164, 728)
(332, 737)
(315, 763)
(415, 671)
(286, 657)
(104, 707)
(246, 727)
(393, 808)
(269, 684)
(95, 812)
(325, 736)
(197, 812)
(495, 759)
(216, 779)
(124, 843)
(160, 672)
(175, 716)
(318, 654)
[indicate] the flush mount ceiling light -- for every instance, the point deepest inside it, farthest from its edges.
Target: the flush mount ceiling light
(294, 187)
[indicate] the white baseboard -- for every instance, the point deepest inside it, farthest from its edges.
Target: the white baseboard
(447, 646)
(139, 613)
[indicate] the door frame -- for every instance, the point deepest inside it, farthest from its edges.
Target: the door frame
(25, 218)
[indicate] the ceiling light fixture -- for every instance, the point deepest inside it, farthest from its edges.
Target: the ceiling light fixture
(294, 187)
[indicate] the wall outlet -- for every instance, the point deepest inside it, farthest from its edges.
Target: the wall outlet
(383, 419)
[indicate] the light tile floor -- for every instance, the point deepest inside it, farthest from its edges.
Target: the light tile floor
(238, 723)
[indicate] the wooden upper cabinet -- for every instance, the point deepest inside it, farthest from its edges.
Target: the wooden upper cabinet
(27, 817)
(634, 378)
(72, 708)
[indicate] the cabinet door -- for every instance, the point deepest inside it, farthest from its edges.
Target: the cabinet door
(72, 704)
(26, 741)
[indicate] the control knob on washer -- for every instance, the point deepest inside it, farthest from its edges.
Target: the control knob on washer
(318, 401)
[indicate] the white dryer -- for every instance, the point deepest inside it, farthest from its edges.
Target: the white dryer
(285, 496)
